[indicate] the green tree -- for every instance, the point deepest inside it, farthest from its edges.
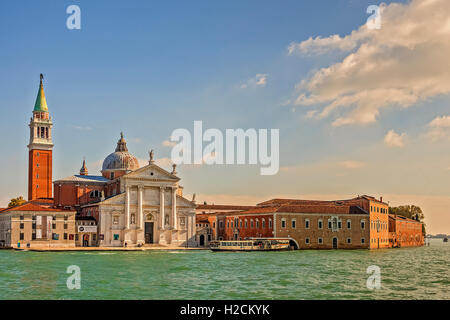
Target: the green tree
(409, 211)
(16, 202)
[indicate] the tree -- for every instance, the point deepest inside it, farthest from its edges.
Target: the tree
(16, 202)
(411, 212)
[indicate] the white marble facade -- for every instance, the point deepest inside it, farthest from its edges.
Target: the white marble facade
(148, 210)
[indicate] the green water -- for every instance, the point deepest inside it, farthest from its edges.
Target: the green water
(409, 273)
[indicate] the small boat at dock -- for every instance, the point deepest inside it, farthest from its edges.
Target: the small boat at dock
(252, 244)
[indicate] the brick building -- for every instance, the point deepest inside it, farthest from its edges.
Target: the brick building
(405, 232)
(360, 222)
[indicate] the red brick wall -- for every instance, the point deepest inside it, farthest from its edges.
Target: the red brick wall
(242, 231)
(40, 174)
(69, 194)
(409, 233)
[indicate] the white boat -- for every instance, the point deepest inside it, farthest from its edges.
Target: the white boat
(252, 244)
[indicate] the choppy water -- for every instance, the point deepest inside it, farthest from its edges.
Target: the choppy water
(408, 273)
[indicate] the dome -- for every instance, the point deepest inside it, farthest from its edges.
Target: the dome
(121, 159)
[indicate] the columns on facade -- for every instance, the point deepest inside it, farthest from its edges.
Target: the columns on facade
(174, 207)
(127, 207)
(161, 206)
(140, 210)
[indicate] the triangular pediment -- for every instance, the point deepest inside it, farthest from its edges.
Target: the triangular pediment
(152, 172)
(183, 202)
(117, 199)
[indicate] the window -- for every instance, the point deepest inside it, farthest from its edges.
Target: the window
(307, 240)
(111, 175)
(228, 224)
(349, 224)
(33, 236)
(293, 223)
(340, 224)
(246, 223)
(264, 223)
(65, 225)
(94, 237)
(76, 236)
(21, 217)
(329, 224)
(320, 240)
(283, 223)
(66, 218)
(363, 224)
(221, 224)
(251, 223)
(270, 223)
(54, 225)
(65, 236)
(306, 223)
(116, 237)
(21, 226)
(231, 224)
(240, 223)
(183, 222)
(320, 224)
(363, 240)
(21, 236)
(349, 240)
(257, 224)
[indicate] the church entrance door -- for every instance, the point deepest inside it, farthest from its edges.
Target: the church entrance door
(149, 232)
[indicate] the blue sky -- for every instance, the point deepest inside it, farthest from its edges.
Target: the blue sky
(149, 67)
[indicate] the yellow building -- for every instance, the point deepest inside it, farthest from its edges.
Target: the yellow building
(36, 224)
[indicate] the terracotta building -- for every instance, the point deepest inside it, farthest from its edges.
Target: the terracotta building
(360, 222)
(405, 232)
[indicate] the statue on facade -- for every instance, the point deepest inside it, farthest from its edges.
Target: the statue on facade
(151, 155)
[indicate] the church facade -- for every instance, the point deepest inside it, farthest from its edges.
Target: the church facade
(125, 206)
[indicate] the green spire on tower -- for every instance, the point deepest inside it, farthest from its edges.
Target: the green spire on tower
(41, 103)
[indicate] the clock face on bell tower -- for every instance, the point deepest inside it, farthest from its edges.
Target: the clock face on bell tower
(40, 149)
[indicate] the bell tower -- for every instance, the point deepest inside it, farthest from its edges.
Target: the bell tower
(40, 149)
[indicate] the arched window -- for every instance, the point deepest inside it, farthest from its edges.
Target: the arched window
(264, 223)
(320, 224)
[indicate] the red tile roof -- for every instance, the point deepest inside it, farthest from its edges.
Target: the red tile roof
(30, 206)
(222, 207)
(279, 201)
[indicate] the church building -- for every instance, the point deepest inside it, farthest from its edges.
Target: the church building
(125, 206)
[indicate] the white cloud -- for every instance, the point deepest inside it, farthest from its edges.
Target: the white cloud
(260, 80)
(351, 164)
(168, 143)
(403, 62)
(393, 139)
(439, 128)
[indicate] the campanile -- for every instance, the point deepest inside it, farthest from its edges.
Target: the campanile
(40, 149)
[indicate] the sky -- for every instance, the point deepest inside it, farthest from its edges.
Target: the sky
(360, 111)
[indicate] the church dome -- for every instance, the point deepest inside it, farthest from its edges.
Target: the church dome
(121, 159)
